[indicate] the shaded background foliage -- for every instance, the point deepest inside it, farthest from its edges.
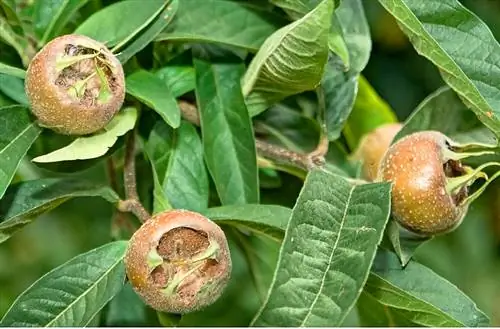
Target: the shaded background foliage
(468, 257)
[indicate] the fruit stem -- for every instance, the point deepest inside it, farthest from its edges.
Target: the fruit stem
(132, 202)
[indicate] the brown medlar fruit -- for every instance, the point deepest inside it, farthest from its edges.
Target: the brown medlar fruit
(419, 167)
(178, 261)
(75, 85)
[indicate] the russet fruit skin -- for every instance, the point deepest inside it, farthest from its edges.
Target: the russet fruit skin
(178, 262)
(372, 148)
(49, 94)
(420, 203)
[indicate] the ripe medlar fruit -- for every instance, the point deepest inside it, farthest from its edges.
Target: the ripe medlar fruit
(372, 148)
(75, 85)
(178, 261)
(419, 166)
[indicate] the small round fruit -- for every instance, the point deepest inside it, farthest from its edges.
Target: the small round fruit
(178, 261)
(418, 167)
(372, 148)
(75, 85)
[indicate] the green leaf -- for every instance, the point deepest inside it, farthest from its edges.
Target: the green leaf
(26, 200)
(14, 88)
(290, 61)
(12, 71)
(71, 294)
(444, 111)
(369, 112)
(231, 23)
(404, 243)
(96, 145)
(50, 16)
(153, 92)
(127, 309)
(120, 21)
(177, 157)
(228, 140)
(268, 220)
(418, 296)
(464, 50)
(179, 79)
(150, 33)
(325, 258)
(340, 86)
(20, 44)
(17, 133)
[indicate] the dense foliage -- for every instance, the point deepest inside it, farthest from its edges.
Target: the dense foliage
(252, 114)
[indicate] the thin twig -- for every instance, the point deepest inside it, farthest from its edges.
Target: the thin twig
(276, 153)
(111, 171)
(132, 202)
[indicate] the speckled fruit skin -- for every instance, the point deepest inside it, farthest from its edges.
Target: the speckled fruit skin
(147, 238)
(372, 148)
(420, 203)
(52, 106)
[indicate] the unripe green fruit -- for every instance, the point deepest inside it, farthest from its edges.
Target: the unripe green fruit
(372, 148)
(75, 85)
(418, 167)
(178, 262)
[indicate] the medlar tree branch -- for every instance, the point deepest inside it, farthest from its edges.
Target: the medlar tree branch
(131, 203)
(270, 151)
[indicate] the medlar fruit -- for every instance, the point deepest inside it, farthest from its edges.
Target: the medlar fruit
(178, 261)
(419, 167)
(372, 148)
(75, 85)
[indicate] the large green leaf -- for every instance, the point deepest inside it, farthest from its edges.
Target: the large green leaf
(290, 61)
(17, 133)
(24, 201)
(153, 92)
(50, 16)
(269, 220)
(127, 309)
(71, 294)
(226, 127)
(91, 147)
(327, 252)
(464, 50)
(340, 86)
(177, 158)
(444, 111)
(121, 21)
(179, 79)
(416, 296)
(232, 23)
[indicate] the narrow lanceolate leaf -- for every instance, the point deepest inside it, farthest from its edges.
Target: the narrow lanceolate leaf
(239, 24)
(24, 201)
(71, 294)
(464, 49)
(153, 92)
(96, 145)
(228, 140)
(416, 296)
(327, 252)
(10, 37)
(13, 71)
(50, 16)
(14, 88)
(177, 157)
(290, 61)
(150, 33)
(107, 25)
(269, 220)
(340, 86)
(444, 111)
(17, 133)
